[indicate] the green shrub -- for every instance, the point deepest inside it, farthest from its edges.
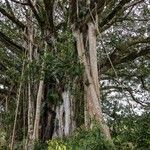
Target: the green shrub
(89, 140)
(57, 145)
(82, 140)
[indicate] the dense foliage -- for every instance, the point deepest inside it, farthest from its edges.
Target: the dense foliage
(129, 133)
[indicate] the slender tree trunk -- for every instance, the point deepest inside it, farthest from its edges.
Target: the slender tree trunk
(30, 51)
(17, 107)
(38, 101)
(25, 105)
(38, 110)
(30, 100)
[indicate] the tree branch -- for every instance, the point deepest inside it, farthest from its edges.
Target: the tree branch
(35, 11)
(135, 99)
(135, 54)
(129, 90)
(96, 8)
(12, 18)
(128, 55)
(10, 44)
(131, 42)
(113, 13)
(9, 7)
(143, 83)
(49, 12)
(15, 1)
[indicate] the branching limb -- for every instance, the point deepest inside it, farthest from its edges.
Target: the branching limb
(128, 55)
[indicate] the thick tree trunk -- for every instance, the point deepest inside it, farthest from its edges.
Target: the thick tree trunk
(94, 74)
(92, 87)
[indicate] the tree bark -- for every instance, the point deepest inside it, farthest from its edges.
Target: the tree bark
(64, 123)
(67, 111)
